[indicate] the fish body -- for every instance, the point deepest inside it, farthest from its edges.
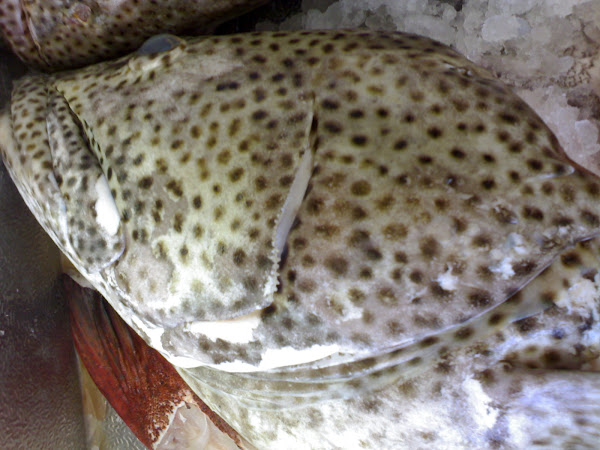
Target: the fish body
(304, 221)
(60, 34)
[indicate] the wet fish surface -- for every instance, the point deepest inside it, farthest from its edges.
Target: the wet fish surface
(305, 222)
(57, 34)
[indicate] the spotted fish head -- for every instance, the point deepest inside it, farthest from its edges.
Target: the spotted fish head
(306, 206)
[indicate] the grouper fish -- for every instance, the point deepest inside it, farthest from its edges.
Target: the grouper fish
(61, 34)
(340, 239)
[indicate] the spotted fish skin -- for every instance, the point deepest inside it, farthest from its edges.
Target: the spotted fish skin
(534, 383)
(316, 209)
(425, 189)
(472, 398)
(60, 34)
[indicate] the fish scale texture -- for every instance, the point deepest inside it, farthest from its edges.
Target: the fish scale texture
(435, 193)
(323, 225)
(59, 34)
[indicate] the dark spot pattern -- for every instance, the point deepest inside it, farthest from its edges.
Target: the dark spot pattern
(418, 174)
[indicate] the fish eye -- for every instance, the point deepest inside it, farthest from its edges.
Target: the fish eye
(159, 43)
